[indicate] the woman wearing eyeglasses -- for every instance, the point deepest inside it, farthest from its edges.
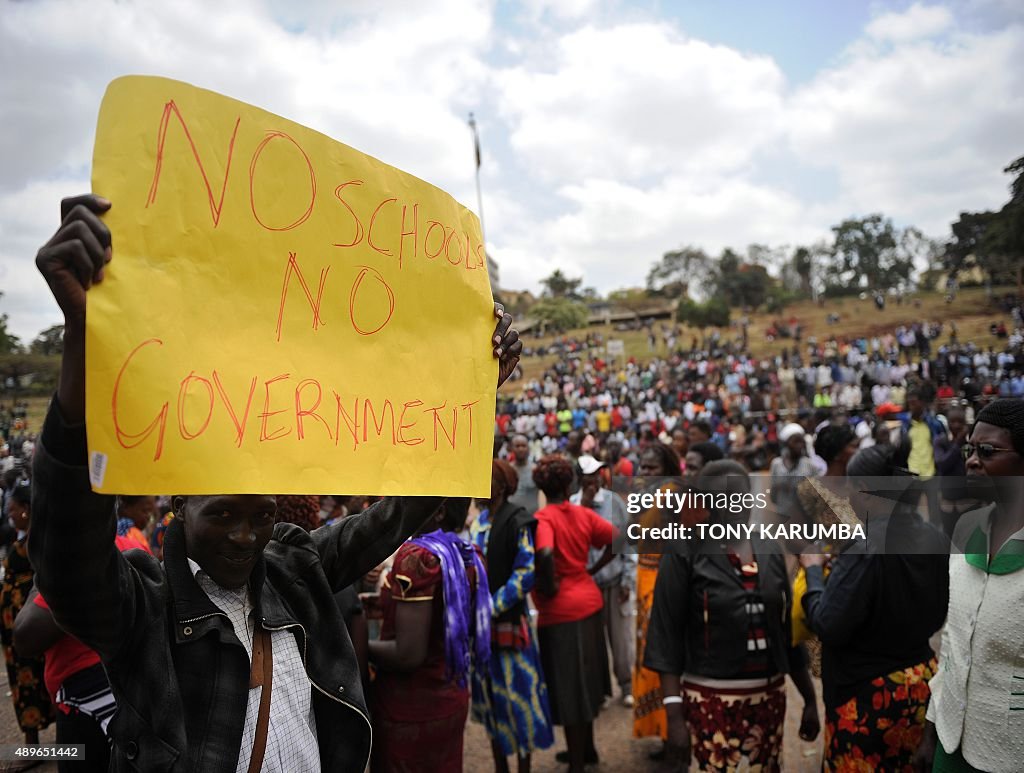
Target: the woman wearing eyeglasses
(976, 712)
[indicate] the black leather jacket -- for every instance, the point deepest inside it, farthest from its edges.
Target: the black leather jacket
(179, 674)
(699, 622)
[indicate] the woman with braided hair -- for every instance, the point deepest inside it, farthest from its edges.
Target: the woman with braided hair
(571, 630)
(819, 502)
(976, 712)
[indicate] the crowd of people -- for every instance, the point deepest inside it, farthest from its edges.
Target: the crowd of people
(381, 626)
(16, 440)
(740, 401)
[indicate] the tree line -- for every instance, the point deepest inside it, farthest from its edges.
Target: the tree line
(866, 254)
(32, 368)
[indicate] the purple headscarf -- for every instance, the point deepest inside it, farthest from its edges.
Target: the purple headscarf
(464, 619)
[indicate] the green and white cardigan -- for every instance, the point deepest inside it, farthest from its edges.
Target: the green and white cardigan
(977, 701)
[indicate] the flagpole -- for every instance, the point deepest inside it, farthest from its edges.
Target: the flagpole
(479, 195)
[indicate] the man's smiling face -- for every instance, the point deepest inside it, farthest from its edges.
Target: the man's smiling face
(225, 534)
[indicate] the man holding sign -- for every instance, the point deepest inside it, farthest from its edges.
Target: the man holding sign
(240, 609)
(231, 655)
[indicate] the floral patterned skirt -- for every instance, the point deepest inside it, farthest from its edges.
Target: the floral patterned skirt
(881, 726)
(32, 706)
(735, 724)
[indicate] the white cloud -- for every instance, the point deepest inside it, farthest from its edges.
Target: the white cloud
(607, 140)
(649, 139)
(387, 84)
(919, 131)
(641, 137)
(633, 100)
(918, 21)
(614, 231)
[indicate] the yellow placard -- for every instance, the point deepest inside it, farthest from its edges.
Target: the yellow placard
(283, 314)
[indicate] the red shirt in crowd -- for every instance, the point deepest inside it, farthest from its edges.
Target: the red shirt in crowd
(65, 658)
(570, 530)
(616, 418)
(69, 656)
(551, 420)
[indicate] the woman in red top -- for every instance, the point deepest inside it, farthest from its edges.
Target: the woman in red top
(569, 602)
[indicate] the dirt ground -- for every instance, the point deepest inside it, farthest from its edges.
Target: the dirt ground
(10, 733)
(620, 752)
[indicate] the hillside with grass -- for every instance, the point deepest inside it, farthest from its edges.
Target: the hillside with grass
(971, 312)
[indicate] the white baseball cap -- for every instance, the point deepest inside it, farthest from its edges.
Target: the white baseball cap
(589, 465)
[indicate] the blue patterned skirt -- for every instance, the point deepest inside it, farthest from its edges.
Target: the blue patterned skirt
(511, 701)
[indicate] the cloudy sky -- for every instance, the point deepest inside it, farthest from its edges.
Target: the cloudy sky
(611, 131)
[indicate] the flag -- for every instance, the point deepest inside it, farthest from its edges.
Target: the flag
(476, 139)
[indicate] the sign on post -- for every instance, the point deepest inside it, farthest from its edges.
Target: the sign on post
(283, 314)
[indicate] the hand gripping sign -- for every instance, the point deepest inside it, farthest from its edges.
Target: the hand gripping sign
(284, 314)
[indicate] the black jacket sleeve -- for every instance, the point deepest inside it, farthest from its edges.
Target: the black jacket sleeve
(361, 542)
(665, 650)
(835, 610)
(95, 594)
